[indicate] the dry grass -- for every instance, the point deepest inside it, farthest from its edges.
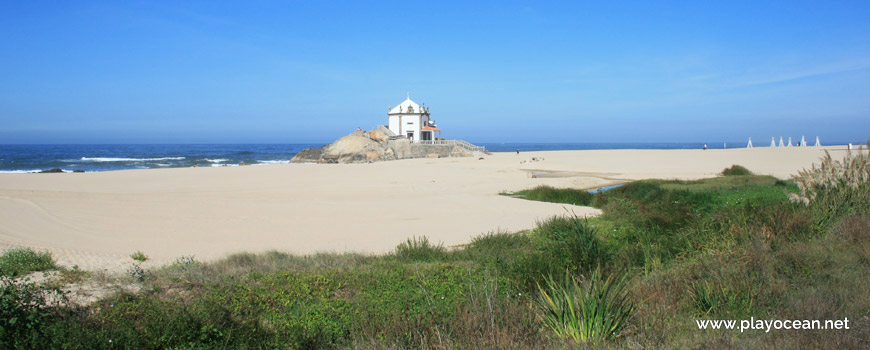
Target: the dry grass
(852, 172)
(853, 229)
(837, 188)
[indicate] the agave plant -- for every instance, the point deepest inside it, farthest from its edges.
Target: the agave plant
(593, 310)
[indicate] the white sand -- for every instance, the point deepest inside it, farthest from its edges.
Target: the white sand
(96, 220)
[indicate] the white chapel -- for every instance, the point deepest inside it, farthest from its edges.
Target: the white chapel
(411, 120)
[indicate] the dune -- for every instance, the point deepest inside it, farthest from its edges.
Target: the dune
(96, 220)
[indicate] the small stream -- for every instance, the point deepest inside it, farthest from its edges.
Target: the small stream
(605, 188)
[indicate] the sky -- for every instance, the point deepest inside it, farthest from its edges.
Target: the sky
(501, 71)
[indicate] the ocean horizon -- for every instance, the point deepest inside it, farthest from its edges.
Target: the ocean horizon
(31, 158)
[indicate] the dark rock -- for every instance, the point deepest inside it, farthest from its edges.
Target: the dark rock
(78, 171)
(51, 171)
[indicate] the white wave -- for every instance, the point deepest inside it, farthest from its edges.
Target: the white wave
(273, 161)
(111, 159)
(220, 165)
(28, 171)
(219, 160)
(19, 171)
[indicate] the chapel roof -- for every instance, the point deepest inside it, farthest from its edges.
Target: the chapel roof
(405, 106)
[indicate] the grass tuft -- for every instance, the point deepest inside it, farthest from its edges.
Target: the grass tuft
(710, 298)
(736, 170)
(419, 249)
(139, 256)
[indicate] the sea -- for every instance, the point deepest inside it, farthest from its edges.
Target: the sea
(90, 158)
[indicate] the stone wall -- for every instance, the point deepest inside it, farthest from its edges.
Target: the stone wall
(423, 151)
(401, 148)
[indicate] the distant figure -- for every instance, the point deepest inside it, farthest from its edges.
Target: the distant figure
(518, 151)
(705, 146)
(358, 129)
(195, 165)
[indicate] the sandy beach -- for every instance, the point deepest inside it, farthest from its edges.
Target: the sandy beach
(96, 220)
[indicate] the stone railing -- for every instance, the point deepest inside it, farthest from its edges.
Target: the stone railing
(456, 143)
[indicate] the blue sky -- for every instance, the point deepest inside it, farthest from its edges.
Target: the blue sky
(306, 71)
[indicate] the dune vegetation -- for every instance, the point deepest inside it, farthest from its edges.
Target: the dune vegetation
(663, 254)
(18, 262)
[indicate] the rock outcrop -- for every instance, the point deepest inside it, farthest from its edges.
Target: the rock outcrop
(377, 135)
(373, 146)
(358, 147)
(352, 149)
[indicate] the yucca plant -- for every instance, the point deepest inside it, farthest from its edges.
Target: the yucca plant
(837, 188)
(594, 310)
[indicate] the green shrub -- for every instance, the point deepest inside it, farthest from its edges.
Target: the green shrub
(573, 241)
(420, 249)
(145, 321)
(24, 311)
(19, 262)
(736, 170)
(501, 251)
(412, 305)
(595, 310)
(556, 245)
(495, 246)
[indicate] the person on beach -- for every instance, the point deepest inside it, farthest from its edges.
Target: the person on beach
(705, 146)
(518, 151)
